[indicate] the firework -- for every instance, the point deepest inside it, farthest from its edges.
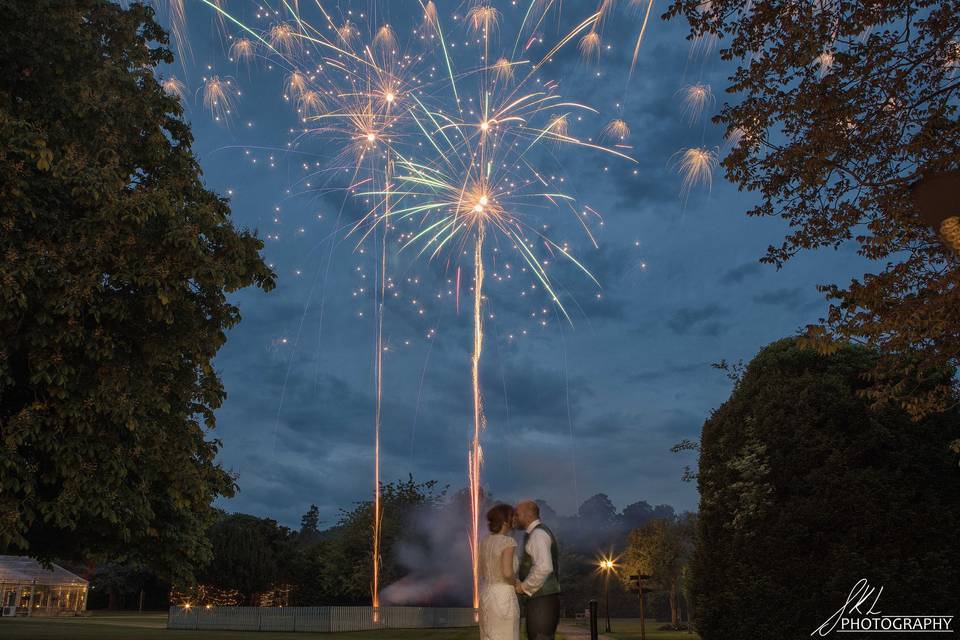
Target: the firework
(643, 30)
(458, 149)
(696, 166)
(242, 50)
(696, 98)
(218, 97)
(283, 38)
(590, 46)
(617, 130)
(173, 86)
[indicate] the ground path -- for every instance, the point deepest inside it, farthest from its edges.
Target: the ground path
(576, 632)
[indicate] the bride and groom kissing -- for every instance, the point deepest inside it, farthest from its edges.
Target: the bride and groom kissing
(510, 575)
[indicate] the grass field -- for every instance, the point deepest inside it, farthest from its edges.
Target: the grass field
(152, 626)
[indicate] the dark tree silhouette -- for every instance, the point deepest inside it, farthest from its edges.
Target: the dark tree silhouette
(804, 490)
(116, 263)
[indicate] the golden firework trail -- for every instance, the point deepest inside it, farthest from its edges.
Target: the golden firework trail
(458, 150)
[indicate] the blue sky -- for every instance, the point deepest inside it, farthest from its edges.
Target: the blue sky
(572, 409)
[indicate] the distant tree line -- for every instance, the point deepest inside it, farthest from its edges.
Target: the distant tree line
(256, 560)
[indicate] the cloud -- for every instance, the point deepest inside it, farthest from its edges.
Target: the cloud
(701, 321)
(741, 273)
(670, 371)
(790, 298)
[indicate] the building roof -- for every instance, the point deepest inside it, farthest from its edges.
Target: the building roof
(25, 570)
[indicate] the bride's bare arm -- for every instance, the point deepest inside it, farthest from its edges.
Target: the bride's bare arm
(506, 565)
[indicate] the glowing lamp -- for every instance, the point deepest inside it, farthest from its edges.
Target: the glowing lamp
(371, 137)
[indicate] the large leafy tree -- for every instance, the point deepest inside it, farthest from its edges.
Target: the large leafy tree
(116, 263)
(660, 549)
(804, 490)
(835, 109)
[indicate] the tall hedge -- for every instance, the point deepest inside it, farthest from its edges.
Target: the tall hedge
(804, 491)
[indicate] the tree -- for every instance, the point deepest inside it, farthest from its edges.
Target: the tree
(116, 262)
(348, 549)
(250, 554)
(639, 513)
(837, 109)
(805, 489)
(659, 549)
(310, 522)
(597, 510)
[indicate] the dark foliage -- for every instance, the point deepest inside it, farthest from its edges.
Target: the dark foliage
(805, 490)
(115, 264)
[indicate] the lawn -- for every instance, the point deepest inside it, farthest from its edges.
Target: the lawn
(152, 626)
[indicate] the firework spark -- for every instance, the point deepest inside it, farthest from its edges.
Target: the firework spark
(696, 98)
(617, 130)
(696, 165)
(242, 50)
(218, 97)
(590, 46)
(173, 86)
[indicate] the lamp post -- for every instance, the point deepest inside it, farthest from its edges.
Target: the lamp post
(935, 196)
(607, 566)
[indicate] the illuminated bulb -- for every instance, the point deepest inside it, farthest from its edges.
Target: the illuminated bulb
(390, 97)
(371, 137)
(484, 125)
(483, 200)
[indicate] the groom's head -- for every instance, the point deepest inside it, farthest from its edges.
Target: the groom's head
(526, 512)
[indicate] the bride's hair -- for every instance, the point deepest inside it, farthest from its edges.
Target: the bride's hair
(497, 516)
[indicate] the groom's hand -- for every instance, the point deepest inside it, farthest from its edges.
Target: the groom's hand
(519, 588)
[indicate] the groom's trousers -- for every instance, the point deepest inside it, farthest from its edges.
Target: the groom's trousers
(543, 614)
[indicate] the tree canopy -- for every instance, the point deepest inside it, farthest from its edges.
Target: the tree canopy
(116, 266)
(804, 490)
(661, 549)
(836, 109)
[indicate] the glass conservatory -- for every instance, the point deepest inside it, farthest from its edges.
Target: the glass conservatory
(27, 588)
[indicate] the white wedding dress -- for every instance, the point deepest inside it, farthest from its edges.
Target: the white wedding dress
(499, 607)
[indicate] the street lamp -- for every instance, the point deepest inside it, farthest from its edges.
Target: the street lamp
(608, 566)
(935, 196)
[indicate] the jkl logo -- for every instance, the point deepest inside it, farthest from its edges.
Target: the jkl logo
(859, 614)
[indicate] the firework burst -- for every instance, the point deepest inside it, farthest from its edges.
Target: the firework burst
(696, 98)
(219, 97)
(173, 86)
(461, 145)
(696, 165)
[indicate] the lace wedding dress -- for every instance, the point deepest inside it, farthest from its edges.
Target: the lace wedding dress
(499, 608)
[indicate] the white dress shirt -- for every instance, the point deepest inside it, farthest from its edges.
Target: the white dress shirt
(538, 546)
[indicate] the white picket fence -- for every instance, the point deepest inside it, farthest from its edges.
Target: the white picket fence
(322, 619)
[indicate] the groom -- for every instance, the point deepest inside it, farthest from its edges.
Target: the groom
(539, 573)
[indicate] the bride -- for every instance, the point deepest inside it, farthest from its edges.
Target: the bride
(499, 608)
